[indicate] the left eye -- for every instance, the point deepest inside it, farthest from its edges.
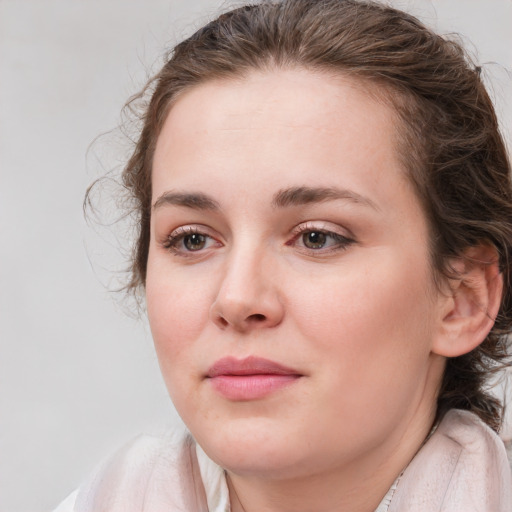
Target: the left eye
(318, 239)
(315, 239)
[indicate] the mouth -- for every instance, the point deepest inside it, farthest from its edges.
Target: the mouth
(252, 378)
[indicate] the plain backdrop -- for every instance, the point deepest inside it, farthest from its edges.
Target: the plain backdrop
(78, 377)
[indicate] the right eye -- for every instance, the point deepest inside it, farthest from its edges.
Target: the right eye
(194, 242)
(189, 239)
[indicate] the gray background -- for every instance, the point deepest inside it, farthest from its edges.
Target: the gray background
(77, 376)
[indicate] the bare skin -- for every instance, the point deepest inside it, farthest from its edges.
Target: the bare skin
(284, 229)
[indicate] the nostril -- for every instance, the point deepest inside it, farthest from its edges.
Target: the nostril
(223, 322)
(257, 317)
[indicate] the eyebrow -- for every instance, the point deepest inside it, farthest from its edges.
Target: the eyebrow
(197, 201)
(293, 196)
(297, 196)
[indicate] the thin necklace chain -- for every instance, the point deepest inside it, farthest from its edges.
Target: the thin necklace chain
(432, 430)
(235, 493)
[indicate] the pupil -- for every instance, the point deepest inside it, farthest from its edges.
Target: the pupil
(314, 239)
(194, 242)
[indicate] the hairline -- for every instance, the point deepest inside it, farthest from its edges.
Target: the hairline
(378, 88)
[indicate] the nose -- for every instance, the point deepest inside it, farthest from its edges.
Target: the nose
(248, 296)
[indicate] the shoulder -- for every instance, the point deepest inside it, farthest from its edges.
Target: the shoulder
(463, 466)
(150, 473)
(68, 504)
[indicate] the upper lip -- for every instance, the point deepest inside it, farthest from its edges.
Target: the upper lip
(248, 366)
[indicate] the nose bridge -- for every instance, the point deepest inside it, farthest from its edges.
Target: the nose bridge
(248, 296)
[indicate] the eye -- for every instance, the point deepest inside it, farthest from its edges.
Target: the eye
(194, 242)
(319, 239)
(314, 239)
(189, 239)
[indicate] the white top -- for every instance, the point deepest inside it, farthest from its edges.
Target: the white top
(462, 467)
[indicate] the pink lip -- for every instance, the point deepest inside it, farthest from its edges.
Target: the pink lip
(251, 378)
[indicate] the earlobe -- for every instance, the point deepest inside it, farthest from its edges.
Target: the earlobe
(469, 309)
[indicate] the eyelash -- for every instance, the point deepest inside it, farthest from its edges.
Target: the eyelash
(339, 241)
(178, 236)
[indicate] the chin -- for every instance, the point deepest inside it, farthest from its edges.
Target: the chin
(259, 447)
(251, 446)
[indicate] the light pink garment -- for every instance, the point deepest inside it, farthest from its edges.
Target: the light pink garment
(462, 468)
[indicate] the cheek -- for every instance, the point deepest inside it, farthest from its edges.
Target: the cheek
(176, 316)
(380, 295)
(177, 312)
(375, 328)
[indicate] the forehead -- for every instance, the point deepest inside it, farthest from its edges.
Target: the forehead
(294, 96)
(285, 127)
(273, 103)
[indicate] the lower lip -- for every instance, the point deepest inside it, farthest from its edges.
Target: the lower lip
(250, 387)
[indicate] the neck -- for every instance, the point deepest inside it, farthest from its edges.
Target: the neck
(356, 486)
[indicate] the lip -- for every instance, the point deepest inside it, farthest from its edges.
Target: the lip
(251, 378)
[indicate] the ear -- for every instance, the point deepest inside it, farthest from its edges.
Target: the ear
(471, 304)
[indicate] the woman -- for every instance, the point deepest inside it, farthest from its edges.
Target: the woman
(325, 232)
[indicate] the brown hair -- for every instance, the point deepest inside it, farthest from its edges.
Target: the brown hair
(449, 138)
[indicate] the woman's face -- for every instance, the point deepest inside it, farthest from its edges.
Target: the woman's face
(289, 288)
